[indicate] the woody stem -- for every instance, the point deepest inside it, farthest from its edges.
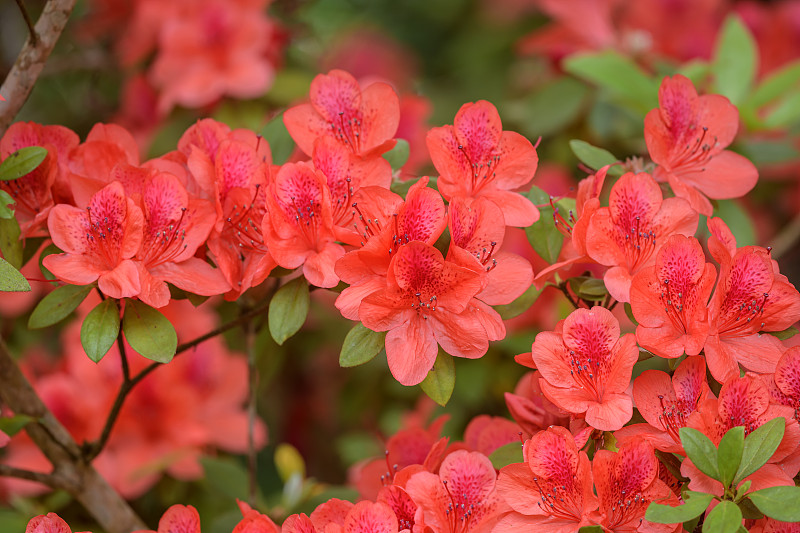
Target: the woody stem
(564, 287)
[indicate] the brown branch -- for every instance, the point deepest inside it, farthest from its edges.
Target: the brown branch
(30, 61)
(40, 477)
(28, 22)
(70, 471)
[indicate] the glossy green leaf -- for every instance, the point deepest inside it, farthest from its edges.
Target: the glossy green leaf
(700, 450)
(11, 279)
(506, 455)
(523, 302)
(10, 244)
(591, 529)
(361, 345)
(759, 446)
(594, 157)
(592, 289)
(6, 205)
(225, 476)
(21, 162)
(735, 60)
(617, 74)
(726, 517)
(11, 425)
(149, 332)
(779, 503)
(629, 314)
(398, 155)
(288, 310)
(100, 329)
(553, 106)
(57, 305)
(441, 380)
(749, 510)
(729, 454)
(543, 234)
(696, 504)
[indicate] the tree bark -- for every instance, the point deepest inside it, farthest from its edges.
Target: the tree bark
(30, 62)
(70, 471)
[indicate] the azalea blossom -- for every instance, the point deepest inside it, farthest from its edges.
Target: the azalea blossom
(178, 519)
(627, 482)
(627, 234)
(461, 498)
(669, 299)
(687, 136)
(586, 367)
(666, 403)
(475, 157)
(552, 490)
(364, 120)
(99, 242)
(49, 523)
(427, 301)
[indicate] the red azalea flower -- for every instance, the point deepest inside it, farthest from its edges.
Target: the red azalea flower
(36, 192)
(364, 120)
(751, 296)
(586, 367)
(687, 137)
(669, 299)
(387, 223)
(427, 300)
(626, 234)
(254, 522)
(666, 404)
(49, 523)
(178, 519)
(475, 157)
(627, 482)
(476, 238)
(298, 226)
(99, 242)
(552, 490)
(461, 499)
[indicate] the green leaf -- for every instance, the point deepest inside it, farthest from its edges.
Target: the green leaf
(5, 201)
(591, 529)
(280, 142)
(779, 503)
(749, 510)
(734, 63)
(48, 250)
(629, 313)
(11, 279)
(543, 234)
(398, 155)
(57, 305)
(553, 106)
(785, 113)
(506, 455)
(696, 504)
(759, 446)
(10, 244)
(11, 425)
(729, 454)
(225, 476)
(100, 329)
(777, 84)
(738, 220)
(700, 450)
(618, 74)
(288, 310)
(441, 380)
(594, 157)
(360, 346)
(21, 162)
(724, 518)
(149, 332)
(787, 333)
(523, 302)
(592, 289)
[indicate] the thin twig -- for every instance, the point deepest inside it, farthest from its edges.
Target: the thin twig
(30, 61)
(40, 477)
(31, 31)
(563, 288)
(787, 238)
